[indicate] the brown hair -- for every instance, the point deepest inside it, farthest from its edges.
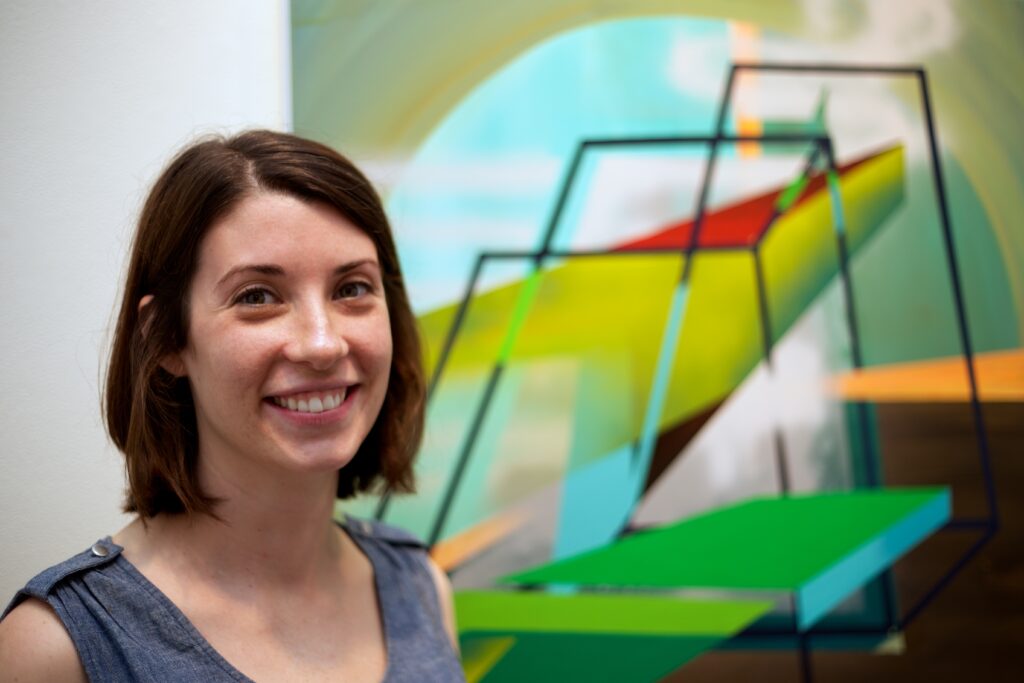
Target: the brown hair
(149, 412)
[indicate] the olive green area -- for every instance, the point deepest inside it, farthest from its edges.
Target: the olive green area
(763, 544)
(589, 657)
(581, 613)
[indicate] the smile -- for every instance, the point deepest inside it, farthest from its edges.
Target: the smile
(312, 401)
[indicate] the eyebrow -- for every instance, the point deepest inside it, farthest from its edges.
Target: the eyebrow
(274, 269)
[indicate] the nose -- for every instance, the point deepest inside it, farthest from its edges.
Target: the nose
(317, 338)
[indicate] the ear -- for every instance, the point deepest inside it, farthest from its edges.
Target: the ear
(172, 362)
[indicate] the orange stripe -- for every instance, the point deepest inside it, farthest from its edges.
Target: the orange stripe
(454, 551)
(1000, 377)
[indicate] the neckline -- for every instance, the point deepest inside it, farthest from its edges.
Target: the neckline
(193, 634)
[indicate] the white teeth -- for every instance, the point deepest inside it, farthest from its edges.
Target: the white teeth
(314, 404)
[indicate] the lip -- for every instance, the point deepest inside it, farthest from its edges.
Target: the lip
(314, 419)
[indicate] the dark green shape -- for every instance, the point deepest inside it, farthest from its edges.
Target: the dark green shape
(586, 657)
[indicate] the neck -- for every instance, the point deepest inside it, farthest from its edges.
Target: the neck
(273, 532)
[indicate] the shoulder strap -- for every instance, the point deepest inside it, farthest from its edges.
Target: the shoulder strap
(39, 587)
(382, 532)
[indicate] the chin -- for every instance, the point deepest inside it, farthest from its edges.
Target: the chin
(326, 462)
(310, 458)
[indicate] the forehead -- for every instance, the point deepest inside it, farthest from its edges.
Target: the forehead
(282, 229)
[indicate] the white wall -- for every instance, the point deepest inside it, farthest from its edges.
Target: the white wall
(94, 98)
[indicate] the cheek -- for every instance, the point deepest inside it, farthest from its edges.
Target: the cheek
(385, 344)
(375, 346)
(224, 358)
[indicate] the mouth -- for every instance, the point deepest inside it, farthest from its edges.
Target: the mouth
(313, 401)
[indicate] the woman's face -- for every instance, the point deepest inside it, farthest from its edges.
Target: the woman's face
(289, 341)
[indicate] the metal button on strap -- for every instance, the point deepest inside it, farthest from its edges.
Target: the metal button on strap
(100, 550)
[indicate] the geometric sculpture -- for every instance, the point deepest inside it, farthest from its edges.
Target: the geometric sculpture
(820, 547)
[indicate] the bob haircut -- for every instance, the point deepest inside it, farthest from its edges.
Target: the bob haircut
(149, 412)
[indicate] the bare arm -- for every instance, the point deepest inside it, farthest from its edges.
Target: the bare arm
(34, 646)
(444, 597)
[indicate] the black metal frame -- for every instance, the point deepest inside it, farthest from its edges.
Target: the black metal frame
(990, 525)
(821, 145)
(546, 251)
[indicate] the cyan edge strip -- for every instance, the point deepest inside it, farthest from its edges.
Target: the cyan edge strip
(659, 390)
(819, 596)
(836, 197)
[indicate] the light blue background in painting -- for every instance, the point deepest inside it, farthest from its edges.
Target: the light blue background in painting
(488, 176)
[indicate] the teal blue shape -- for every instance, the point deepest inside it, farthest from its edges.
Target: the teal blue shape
(598, 498)
(820, 595)
(604, 413)
(596, 501)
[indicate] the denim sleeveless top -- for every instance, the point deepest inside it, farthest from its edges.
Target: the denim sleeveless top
(125, 629)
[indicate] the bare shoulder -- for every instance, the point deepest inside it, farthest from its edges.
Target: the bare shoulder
(35, 646)
(444, 597)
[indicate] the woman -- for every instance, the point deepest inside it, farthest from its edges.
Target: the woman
(265, 363)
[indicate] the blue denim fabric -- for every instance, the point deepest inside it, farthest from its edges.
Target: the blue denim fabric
(125, 629)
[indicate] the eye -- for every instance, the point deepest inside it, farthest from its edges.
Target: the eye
(353, 290)
(255, 296)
